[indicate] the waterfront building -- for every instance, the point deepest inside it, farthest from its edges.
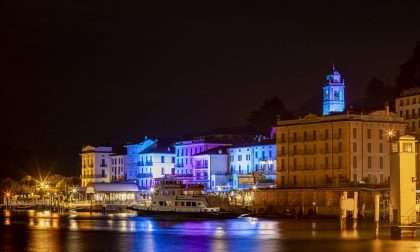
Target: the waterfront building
(132, 159)
(119, 165)
(407, 106)
(333, 93)
(251, 162)
(156, 161)
(113, 192)
(336, 149)
(96, 164)
(210, 168)
(184, 152)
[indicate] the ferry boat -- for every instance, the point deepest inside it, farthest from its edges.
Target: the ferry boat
(171, 199)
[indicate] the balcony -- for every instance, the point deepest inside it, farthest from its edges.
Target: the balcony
(179, 165)
(147, 163)
(93, 176)
(144, 175)
(201, 167)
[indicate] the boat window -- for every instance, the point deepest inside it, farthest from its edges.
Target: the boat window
(193, 204)
(182, 203)
(188, 203)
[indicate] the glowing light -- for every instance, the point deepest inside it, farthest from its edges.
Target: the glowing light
(152, 190)
(254, 187)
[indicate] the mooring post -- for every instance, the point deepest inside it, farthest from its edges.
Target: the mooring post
(376, 215)
(355, 209)
(343, 205)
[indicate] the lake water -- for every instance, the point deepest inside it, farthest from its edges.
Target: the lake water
(30, 231)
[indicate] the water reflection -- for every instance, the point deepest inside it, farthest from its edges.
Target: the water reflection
(80, 232)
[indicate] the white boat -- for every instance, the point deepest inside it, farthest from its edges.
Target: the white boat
(173, 199)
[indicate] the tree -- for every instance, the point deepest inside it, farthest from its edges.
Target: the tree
(377, 93)
(266, 116)
(409, 75)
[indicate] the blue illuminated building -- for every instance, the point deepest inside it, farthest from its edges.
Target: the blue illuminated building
(333, 93)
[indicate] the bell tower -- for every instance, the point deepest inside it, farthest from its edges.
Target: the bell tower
(333, 93)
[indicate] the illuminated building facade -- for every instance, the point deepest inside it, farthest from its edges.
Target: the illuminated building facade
(245, 160)
(210, 168)
(408, 107)
(337, 149)
(96, 164)
(119, 165)
(154, 162)
(133, 161)
(333, 93)
(184, 152)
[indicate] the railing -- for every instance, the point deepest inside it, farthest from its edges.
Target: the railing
(179, 165)
(144, 175)
(93, 176)
(201, 167)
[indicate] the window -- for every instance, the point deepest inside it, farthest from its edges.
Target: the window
(354, 147)
(413, 112)
(326, 147)
(381, 162)
(369, 147)
(294, 179)
(340, 133)
(369, 134)
(282, 137)
(314, 163)
(369, 162)
(354, 162)
(326, 134)
(413, 125)
(340, 147)
(401, 103)
(282, 150)
(294, 136)
(413, 101)
(354, 133)
(162, 159)
(381, 148)
(239, 157)
(282, 180)
(294, 163)
(381, 134)
(282, 165)
(314, 148)
(401, 114)
(314, 135)
(188, 203)
(340, 162)
(294, 149)
(182, 203)
(326, 162)
(407, 147)
(193, 204)
(163, 171)
(305, 136)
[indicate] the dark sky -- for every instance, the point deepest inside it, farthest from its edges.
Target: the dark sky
(77, 72)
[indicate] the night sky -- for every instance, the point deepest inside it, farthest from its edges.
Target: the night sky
(79, 72)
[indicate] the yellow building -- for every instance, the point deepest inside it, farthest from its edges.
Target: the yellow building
(96, 164)
(336, 150)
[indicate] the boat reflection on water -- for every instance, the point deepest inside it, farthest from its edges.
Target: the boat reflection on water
(49, 232)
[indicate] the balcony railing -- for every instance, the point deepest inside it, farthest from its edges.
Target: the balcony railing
(144, 175)
(179, 165)
(147, 163)
(93, 176)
